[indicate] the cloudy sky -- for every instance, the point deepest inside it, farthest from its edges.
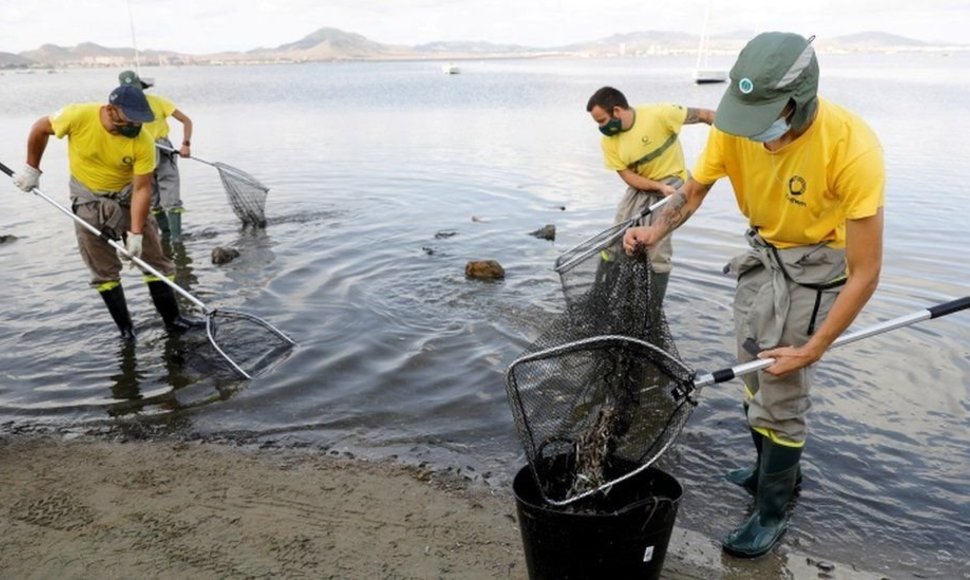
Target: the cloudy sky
(202, 26)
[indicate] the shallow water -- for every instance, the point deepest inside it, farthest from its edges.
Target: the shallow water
(401, 356)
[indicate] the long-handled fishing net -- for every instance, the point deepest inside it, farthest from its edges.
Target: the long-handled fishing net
(603, 393)
(247, 196)
(593, 397)
(246, 342)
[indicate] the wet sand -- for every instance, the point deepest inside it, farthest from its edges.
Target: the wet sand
(89, 508)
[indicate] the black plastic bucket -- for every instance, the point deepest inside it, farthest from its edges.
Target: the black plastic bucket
(625, 536)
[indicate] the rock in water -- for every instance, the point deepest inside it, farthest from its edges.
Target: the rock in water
(484, 270)
(547, 232)
(222, 255)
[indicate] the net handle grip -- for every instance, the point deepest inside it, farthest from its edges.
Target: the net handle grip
(168, 149)
(113, 243)
(937, 311)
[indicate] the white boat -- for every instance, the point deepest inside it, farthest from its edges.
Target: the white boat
(703, 72)
(450, 69)
(707, 75)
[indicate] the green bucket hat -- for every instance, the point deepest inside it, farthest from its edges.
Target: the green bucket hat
(130, 77)
(772, 68)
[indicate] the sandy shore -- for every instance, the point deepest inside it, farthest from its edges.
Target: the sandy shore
(87, 508)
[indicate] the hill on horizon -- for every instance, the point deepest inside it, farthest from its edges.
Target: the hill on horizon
(327, 43)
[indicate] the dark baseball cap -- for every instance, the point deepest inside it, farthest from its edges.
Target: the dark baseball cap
(132, 103)
(771, 69)
(130, 77)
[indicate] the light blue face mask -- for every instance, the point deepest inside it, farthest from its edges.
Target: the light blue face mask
(773, 132)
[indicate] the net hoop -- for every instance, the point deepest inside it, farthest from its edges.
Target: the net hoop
(681, 393)
(210, 315)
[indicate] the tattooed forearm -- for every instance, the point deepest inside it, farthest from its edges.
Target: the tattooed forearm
(675, 213)
(696, 115)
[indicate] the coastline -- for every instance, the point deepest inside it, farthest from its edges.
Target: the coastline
(87, 507)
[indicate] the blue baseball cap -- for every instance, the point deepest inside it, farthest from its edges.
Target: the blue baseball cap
(132, 103)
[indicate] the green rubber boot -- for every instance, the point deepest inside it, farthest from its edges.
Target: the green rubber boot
(777, 473)
(659, 289)
(162, 221)
(114, 299)
(747, 477)
(175, 225)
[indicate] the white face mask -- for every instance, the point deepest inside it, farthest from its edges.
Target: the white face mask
(773, 132)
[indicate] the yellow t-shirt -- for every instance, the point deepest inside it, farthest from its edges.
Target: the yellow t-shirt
(162, 108)
(650, 147)
(803, 193)
(101, 161)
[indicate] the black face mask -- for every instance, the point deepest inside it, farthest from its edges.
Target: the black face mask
(126, 130)
(612, 127)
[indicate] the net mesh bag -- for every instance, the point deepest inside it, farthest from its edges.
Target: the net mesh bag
(248, 343)
(583, 266)
(601, 394)
(247, 196)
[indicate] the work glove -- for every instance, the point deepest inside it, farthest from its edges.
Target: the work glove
(132, 246)
(28, 178)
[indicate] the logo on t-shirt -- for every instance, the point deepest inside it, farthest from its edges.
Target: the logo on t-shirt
(796, 187)
(127, 160)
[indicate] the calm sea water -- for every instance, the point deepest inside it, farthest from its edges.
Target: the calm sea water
(401, 356)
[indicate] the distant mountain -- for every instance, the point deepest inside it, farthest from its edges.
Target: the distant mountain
(645, 38)
(91, 54)
(10, 60)
(883, 38)
(327, 44)
(474, 48)
(871, 40)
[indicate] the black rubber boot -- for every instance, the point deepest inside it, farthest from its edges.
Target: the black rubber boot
(164, 298)
(777, 473)
(114, 299)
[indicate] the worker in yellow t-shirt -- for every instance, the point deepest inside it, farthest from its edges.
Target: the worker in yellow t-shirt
(810, 177)
(166, 188)
(642, 145)
(111, 162)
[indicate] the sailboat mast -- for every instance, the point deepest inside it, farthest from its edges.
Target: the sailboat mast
(702, 47)
(134, 43)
